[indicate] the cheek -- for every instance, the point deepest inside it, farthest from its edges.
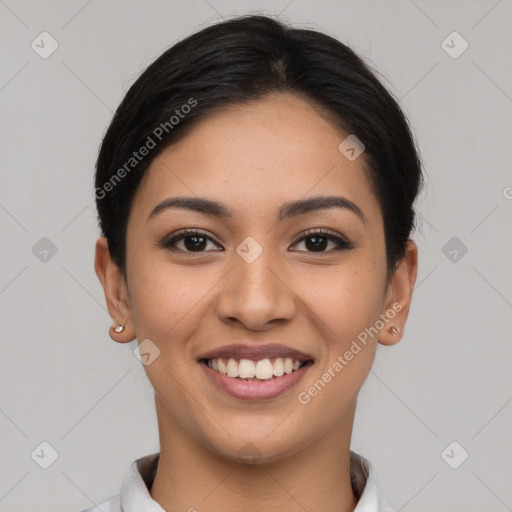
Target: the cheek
(347, 299)
(347, 304)
(165, 299)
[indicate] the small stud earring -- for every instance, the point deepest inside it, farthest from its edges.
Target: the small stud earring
(119, 328)
(394, 330)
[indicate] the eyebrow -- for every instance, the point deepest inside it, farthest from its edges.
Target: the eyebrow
(287, 210)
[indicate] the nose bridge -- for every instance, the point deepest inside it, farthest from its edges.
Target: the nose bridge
(254, 271)
(253, 292)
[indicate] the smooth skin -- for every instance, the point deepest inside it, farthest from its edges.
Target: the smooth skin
(253, 158)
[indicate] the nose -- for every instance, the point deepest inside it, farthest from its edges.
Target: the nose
(256, 296)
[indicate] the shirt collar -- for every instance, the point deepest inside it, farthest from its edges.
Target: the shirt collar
(135, 496)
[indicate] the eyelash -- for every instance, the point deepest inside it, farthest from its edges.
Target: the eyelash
(184, 233)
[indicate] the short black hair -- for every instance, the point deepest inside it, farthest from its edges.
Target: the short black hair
(238, 61)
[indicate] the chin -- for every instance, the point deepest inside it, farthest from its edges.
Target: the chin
(256, 452)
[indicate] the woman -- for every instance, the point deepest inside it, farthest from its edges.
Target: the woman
(255, 194)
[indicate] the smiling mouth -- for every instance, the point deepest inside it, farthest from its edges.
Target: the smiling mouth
(270, 368)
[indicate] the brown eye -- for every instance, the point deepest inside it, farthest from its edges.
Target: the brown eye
(193, 241)
(318, 241)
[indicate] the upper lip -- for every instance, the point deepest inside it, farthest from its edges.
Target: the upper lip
(257, 352)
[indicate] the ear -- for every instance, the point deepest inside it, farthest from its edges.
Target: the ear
(399, 295)
(116, 292)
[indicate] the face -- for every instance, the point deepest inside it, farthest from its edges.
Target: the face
(310, 279)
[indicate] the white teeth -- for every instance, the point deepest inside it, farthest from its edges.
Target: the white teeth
(232, 368)
(278, 367)
(263, 369)
(246, 369)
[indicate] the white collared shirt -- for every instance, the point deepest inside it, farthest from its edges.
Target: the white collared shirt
(134, 495)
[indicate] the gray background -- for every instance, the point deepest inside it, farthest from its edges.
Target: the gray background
(67, 383)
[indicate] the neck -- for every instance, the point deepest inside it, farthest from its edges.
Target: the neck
(192, 477)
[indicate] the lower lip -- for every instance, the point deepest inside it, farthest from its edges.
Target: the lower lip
(253, 389)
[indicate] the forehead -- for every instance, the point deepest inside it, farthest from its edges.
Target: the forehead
(272, 150)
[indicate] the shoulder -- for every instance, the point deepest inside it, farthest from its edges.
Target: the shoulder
(111, 504)
(366, 486)
(134, 493)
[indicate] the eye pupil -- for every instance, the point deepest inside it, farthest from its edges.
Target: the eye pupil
(196, 245)
(317, 240)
